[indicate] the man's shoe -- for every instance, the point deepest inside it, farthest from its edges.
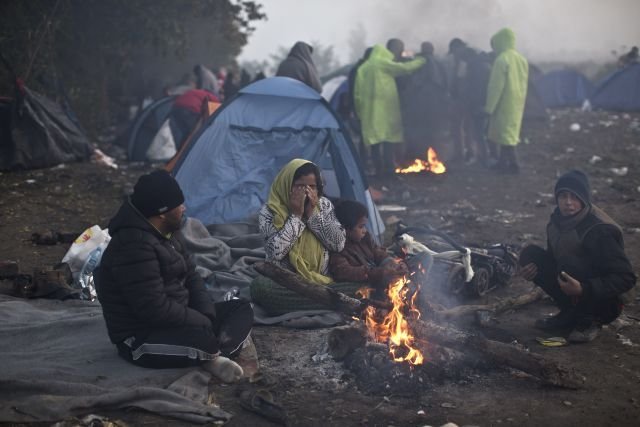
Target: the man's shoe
(564, 319)
(584, 333)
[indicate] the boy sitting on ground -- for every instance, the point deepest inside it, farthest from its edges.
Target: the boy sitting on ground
(584, 268)
(361, 260)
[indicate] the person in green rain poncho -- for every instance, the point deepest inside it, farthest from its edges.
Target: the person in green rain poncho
(506, 97)
(378, 105)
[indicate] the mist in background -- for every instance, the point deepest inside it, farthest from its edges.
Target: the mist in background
(546, 30)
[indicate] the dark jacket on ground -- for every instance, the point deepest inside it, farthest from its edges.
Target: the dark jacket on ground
(146, 281)
(359, 262)
(299, 65)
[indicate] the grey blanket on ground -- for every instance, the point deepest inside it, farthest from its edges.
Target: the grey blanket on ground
(224, 255)
(57, 362)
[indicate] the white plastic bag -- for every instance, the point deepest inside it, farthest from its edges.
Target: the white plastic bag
(90, 239)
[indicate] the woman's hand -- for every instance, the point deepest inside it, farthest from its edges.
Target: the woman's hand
(296, 200)
(311, 203)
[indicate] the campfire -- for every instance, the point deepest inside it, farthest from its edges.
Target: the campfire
(432, 164)
(401, 333)
(393, 329)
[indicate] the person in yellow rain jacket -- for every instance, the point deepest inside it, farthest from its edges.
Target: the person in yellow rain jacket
(506, 96)
(378, 106)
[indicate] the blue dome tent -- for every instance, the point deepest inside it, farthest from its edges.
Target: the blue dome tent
(228, 166)
(620, 91)
(563, 88)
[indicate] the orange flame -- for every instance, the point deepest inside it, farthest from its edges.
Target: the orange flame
(433, 164)
(394, 327)
(364, 292)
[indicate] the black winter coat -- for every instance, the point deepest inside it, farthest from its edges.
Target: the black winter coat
(591, 249)
(146, 281)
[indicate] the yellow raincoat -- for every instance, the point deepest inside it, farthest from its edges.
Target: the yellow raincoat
(507, 90)
(376, 96)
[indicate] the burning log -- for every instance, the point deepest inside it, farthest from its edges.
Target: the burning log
(500, 353)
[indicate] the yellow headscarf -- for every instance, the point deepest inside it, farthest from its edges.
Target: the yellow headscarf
(307, 253)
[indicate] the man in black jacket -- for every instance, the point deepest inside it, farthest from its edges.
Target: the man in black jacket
(157, 310)
(584, 268)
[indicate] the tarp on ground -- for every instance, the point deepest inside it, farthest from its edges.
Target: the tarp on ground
(57, 362)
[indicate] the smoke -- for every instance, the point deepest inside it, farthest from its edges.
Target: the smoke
(546, 30)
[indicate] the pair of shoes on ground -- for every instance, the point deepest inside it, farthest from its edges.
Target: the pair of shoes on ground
(582, 330)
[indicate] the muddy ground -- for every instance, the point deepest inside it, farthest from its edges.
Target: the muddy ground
(477, 207)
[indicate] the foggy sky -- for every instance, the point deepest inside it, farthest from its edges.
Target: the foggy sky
(573, 30)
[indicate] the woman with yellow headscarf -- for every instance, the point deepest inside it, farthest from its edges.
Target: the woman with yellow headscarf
(300, 228)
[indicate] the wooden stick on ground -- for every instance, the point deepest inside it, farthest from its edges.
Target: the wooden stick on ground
(496, 308)
(500, 353)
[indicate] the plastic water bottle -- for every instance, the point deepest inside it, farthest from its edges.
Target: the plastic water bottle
(86, 273)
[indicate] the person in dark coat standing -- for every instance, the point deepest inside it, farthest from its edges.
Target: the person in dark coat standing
(473, 93)
(299, 65)
(424, 100)
(157, 310)
(584, 268)
(459, 125)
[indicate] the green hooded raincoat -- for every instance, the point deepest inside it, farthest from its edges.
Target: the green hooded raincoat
(507, 90)
(376, 96)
